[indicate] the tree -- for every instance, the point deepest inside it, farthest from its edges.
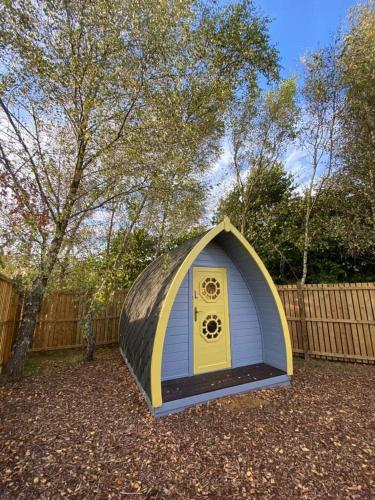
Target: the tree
(329, 227)
(322, 105)
(339, 97)
(63, 111)
(272, 219)
(260, 127)
(356, 177)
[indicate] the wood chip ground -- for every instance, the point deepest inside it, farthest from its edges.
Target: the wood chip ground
(84, 431)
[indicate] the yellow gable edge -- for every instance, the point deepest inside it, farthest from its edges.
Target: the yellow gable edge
(276, 296)
(157, 353)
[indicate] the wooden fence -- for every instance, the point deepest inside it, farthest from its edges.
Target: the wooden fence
(59, 325)
(332, 321)
(326, 321)
(9, 313)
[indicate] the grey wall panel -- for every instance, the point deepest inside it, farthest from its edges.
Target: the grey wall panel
(274, 352)
(176, 344)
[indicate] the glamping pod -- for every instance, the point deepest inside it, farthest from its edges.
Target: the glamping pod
(204, 321)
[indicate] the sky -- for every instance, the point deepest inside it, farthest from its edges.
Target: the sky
(297, 27)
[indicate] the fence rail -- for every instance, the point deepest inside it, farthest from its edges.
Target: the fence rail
(327, 321)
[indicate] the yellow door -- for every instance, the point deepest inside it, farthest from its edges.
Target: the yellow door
(211, 336)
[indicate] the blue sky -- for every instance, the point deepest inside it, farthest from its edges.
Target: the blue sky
(297, 27)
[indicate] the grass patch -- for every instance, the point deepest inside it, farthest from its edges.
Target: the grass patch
(300, 362)
(37, 361)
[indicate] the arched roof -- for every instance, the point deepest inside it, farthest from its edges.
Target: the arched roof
(148, 304)
(141, 310)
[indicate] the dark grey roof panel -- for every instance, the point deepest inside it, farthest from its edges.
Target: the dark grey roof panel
(142, 306)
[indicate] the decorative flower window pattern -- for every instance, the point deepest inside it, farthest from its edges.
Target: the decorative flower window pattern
(210, 289)
(211, 327)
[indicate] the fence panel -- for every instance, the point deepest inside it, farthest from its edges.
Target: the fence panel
(339, 320)
(60, 322)
(9, 311)
(59, 325)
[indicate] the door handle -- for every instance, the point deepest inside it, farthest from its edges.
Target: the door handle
(195, 313)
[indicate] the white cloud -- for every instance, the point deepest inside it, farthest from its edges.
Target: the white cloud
(296, 162)
(221, 179)
(224, 159)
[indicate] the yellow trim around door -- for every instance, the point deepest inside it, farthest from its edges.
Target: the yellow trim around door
(157, 353)
(211, 349)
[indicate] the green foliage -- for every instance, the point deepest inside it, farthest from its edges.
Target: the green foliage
(184, 236)
(119, 100)
(341, 248)
(272, 218)
(139, 252)
(120, 272)
(280, 105)
(356, 179)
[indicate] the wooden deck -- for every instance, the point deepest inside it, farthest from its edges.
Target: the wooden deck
(206, 382)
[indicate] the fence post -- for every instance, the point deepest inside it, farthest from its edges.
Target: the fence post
(302, 315)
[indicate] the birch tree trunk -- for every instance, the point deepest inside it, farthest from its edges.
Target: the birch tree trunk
(306, 243)
(31, 310)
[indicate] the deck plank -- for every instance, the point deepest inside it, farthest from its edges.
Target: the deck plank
(206, 382)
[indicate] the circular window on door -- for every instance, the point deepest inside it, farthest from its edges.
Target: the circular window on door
(211, 327)
(210, 289)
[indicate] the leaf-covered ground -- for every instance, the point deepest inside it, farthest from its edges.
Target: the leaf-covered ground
(83, 431)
